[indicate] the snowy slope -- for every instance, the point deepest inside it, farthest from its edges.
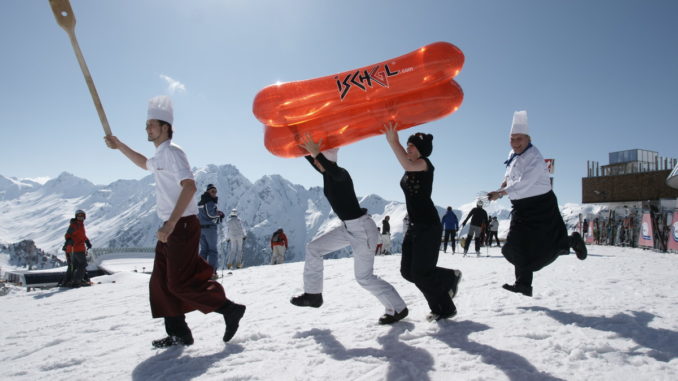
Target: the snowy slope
(611, 317)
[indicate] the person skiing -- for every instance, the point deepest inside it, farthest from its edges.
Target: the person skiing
(236, 237)
(450, 226)
(421, 245)
(494, 232)
(386, 235)
(181, 280)
(357, 229)
(210, 216)
(478, 217)
(77, 245)
(278, 247)
(537, 234)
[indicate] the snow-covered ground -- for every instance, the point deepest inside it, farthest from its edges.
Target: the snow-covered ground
(613, 316)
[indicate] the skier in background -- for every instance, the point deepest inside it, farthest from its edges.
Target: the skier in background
(236, 237)
(386, 236)
(450, 226)
(77, 245)
(278, 247)
(494, 232)
(478, 217)
(210, 217)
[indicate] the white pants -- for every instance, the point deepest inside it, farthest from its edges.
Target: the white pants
(235, 251)
(362, 235)
(278, 256)
(386, 241)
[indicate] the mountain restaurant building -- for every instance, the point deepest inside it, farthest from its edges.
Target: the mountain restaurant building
(639, 207)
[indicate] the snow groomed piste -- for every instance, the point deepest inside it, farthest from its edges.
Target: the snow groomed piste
(343, 108)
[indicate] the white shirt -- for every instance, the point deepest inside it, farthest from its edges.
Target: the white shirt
(170, 167)
(527, 175)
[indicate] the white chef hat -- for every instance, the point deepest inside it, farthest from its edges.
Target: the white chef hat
(519, 125)
(160, 108)
(331, 154)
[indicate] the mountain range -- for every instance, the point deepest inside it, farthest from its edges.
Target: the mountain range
(122, 213)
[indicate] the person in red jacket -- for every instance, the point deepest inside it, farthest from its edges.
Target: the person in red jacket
(278, 246)
(77, 244)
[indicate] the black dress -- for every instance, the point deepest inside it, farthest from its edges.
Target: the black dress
(421, 244)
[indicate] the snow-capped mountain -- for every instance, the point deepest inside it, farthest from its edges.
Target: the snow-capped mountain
(122, 214)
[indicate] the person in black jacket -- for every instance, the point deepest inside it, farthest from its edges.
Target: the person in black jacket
(357, 229)
(478, 217)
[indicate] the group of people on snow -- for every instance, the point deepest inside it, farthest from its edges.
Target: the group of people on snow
(183, 276)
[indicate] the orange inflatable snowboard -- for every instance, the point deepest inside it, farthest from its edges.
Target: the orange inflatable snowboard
(340, 109)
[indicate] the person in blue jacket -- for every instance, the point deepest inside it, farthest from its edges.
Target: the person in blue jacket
(210, 216)
(450, 225)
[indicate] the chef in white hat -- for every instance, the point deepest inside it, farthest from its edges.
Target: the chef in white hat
(537, 234)
(181, 280)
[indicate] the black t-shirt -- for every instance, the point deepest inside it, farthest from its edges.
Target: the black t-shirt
(338, 188)
(417, 187)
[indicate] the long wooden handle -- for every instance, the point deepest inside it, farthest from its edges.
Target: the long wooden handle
(66, 19)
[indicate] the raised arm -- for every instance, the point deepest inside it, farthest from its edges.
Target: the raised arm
(391, 132)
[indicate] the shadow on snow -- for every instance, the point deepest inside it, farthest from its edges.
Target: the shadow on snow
(405, 362)
(516, 367)
(410, 363)
(169, 364)
(663, 343)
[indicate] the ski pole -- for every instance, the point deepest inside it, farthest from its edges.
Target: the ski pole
(66, 19)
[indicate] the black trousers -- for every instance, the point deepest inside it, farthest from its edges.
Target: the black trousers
(523, 276)
(494, 234)
(79, 260)
(450, 235)
(418, 265)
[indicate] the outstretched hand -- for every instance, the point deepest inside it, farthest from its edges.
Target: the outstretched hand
(495, 195)
(310, 146)
(391, 131)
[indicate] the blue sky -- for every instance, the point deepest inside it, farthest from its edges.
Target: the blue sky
(594, 76)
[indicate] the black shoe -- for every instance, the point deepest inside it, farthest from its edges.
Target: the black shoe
(390, 319)
(578, 245)
(232, 315)
(437, 317)
(308, 300)
(172, 340)
(518, 288)
(455, 283)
